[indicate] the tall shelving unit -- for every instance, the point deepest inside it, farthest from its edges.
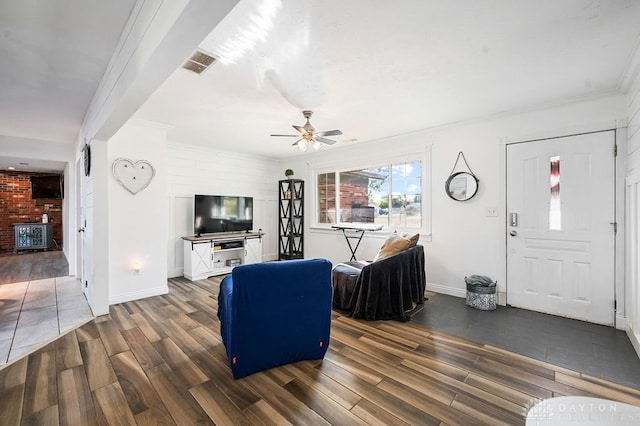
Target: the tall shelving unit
(291, 219)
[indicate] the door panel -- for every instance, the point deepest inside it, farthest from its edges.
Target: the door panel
(560, 255)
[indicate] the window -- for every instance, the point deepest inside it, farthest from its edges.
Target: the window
(555, 210)
(388, 195)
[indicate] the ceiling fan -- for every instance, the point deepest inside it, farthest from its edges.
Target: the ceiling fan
(308, 135)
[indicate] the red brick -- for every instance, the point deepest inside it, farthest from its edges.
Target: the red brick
(16, 206)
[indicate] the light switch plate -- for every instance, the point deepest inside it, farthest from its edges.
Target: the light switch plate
(491, 211)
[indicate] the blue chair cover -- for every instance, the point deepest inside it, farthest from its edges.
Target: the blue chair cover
(275, 313)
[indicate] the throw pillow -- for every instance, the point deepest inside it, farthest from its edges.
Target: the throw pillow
(393, 245)
(413, 239)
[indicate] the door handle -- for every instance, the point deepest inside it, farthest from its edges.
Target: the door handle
(513, 233)
(81, 230)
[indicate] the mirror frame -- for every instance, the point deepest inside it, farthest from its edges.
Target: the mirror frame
(453, 176)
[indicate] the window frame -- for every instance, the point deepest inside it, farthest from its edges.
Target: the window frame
(426, 195)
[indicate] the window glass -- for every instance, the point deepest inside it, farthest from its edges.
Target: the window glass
(406, 195)
(361, 193)
(327, 198)
(555, 211)
(388, 195)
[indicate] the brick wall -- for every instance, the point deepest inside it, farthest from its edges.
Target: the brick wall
(16, 206)
(327, 201)
(354, 199)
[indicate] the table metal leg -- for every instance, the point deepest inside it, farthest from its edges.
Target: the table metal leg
(349, 237)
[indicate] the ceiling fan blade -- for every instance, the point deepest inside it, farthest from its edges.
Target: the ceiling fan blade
(324, 140)
(300, 129)
(288, 136)
(329, 133)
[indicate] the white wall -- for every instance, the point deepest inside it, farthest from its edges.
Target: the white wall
(69, 231)
(156, 40)
(199, 170)
(632, 234)
(138, 223)
(463, 240)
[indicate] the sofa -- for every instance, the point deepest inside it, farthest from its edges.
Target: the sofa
(275, 313)
(386, 289)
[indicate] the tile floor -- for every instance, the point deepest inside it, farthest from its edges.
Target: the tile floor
(593, 349)
(33, 313)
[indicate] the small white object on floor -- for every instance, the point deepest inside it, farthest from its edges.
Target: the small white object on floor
(581, 410)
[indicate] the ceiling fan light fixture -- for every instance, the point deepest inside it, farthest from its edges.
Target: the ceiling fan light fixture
(308, 135)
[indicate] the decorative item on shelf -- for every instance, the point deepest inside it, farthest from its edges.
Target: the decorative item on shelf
(461, 186)
(288, 173)
(134, 177)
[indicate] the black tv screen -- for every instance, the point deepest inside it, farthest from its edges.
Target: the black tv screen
(46, 186)
(219, 213)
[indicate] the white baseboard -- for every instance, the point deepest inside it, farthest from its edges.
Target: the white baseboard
(175, 272)
(135, 295)
(621, 322)
(442, 289)
(459, 292)
(634, 338)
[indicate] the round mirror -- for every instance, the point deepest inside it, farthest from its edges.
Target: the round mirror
(461, 186)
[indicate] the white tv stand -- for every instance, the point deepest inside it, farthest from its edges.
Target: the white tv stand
(217, 254)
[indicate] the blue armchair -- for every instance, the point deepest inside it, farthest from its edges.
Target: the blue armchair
(275, 313)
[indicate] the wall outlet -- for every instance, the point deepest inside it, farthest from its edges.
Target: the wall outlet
(491, 211)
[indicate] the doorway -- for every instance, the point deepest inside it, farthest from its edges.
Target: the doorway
(561, 226)
(80, 224)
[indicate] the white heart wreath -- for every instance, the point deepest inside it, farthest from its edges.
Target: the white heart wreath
(134, 177)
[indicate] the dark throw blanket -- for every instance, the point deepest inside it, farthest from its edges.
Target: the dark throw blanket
(382, 290)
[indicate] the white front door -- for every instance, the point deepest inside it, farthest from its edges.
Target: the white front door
(560, 236)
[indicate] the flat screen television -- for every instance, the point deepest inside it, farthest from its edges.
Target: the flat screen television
(220, 213)
(46, 187)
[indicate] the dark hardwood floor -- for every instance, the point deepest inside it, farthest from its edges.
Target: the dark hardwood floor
(160, 360)
(30, 266)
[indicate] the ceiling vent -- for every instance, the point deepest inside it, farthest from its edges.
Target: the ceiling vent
(199, 62)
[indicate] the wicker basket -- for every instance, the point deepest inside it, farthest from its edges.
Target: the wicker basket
(480, 297)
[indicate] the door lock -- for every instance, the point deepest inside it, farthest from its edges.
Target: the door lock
(513, 233)
(513, 219)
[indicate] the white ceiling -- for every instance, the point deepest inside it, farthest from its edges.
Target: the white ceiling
(380, 68)
(372, 68)
(53, 54)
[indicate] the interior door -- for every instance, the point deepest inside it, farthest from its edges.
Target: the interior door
(560, 232)
(80, 218)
